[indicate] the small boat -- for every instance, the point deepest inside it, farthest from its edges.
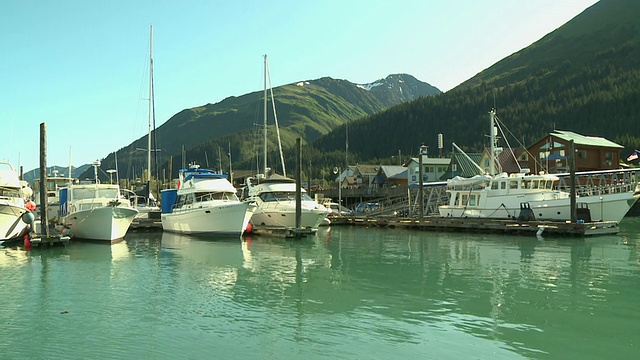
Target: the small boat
(505, 196)
(205, 202)
(336, 210)
(96, 211)
(275, 197)
(14, 198)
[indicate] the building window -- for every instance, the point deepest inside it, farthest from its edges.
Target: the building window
(582, 153)
(608, 158)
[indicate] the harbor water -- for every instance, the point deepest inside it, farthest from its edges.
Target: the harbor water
(345, 293)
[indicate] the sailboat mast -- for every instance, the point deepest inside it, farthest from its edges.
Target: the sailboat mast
(150, 104)
(265, 115)
(492, 129)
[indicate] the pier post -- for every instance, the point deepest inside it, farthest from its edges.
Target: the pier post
(44, 216)
(298, 183)
(572, 180)
(420, 187)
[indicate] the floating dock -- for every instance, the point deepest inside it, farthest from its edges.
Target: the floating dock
(145, 224)
(486, 225)
(280, 231)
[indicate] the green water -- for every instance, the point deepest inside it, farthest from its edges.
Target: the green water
(346, 293)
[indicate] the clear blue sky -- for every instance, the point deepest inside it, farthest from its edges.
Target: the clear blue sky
(81, 66)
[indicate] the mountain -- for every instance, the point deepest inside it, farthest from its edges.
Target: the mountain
(76, 172)
(307, 109)
(581, 77)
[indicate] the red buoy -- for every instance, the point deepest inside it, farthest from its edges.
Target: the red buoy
(249, 229)
(26, 242)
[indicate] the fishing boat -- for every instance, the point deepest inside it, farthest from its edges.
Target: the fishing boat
(15, 215)
(96, 211)
(205, 202)
(275, 195)
(52, 187)
(531, 196)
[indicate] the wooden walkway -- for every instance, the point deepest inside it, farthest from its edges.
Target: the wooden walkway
(485, 225)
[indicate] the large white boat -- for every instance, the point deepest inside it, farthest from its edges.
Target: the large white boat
(204, 203)
(13, 203)
(528, 196)
(96, 211)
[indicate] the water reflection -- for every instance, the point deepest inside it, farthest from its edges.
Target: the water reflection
(389, 292)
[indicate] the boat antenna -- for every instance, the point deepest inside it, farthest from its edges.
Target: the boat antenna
(96, 164)
(492, 149)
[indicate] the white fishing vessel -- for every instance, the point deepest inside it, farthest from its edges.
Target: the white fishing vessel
(205, 202)
(505, 196)
(275, 195)
(52, 187)
(95, 211)
(14, 196)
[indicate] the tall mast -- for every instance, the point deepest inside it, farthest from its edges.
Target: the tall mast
(265, 115)
(150, 104)
(492, 129)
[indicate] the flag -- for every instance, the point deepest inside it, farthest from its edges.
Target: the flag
(633, 156)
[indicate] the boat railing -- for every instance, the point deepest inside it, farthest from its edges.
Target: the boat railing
(597, 183)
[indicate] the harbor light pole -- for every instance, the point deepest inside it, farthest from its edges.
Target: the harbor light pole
(337, 170)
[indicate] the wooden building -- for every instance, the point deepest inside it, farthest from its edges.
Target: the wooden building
(550, 154)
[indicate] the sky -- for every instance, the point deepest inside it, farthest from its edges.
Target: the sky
(81, 67)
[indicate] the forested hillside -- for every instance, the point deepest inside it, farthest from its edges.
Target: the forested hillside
(583, 77)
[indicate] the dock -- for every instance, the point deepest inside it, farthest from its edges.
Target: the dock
(279, 231)
(437, 223)
(145, 224)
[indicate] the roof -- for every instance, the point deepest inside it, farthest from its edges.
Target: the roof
(367, 169)
(585, 140)
(507, 161)
(431, 161)
(467, 168)
(394, 171)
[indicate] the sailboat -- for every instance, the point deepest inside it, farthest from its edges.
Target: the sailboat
(275, 195)
(145, 202)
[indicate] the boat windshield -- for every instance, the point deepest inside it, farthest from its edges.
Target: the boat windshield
(93, 193)
(207, 196)
(283, 196)
(9, 192)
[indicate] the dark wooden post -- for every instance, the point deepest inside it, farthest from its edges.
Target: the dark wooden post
(44, 216)
(572, 177)
(298, 183)
(420, 188)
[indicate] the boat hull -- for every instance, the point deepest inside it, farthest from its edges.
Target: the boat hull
(285, 217)
(222, 219)
(611, 207)
(107, 223)
(9, 215)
